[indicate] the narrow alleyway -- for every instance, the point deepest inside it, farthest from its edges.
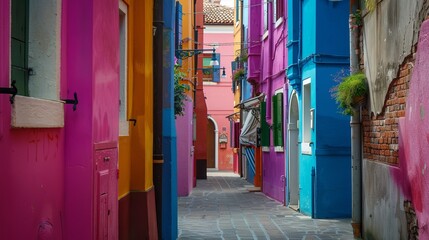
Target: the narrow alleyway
(222, 208)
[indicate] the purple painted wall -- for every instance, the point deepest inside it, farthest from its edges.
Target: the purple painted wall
(185, 154)
(412, 176)
(254, 41)
(273, 65)
(46, 178)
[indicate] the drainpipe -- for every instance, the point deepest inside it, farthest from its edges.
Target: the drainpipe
(158, 157)
(356, 148)
(270, 56)
(313, 192)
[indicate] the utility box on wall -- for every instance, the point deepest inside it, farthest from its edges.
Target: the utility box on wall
(105, 181)
(223, 140)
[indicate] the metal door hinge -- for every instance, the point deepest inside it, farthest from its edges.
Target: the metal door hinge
(72, 101)
(12, 90)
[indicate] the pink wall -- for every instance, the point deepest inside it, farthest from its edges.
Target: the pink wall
(46, 178)
(31, 175)
(412, 177)
(185, 156)
(219, 97)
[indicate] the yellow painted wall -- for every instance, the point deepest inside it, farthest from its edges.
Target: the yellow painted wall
(237, 47)
(188, 43)
(135, 150)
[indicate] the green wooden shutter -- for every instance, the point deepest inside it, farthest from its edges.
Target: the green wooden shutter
(19, 48)
(265, 129)
(278, 119)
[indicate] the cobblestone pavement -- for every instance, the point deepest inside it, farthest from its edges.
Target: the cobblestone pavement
(221, 208)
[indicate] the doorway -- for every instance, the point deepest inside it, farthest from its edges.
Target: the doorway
(293, 159)
(212, 146)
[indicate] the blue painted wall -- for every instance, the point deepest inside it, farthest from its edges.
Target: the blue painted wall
(169, 174)
(318, 47)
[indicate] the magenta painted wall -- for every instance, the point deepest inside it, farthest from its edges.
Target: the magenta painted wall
(219, 97)
(273, 64)
(254, 41)
(31, 172)
(412, 176)
(185, 155)
(92, 70)
(46, 178)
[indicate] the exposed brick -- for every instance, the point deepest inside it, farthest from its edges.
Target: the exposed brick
(380, 142)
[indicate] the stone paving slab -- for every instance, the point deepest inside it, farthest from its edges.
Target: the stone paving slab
(221, 208)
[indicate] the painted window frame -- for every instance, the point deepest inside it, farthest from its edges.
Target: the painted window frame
(265, 130)
(215, 70)
(306, 143)
(278, 10)
(277, 126)
(123, 88)
(265, 17)
(42, 108)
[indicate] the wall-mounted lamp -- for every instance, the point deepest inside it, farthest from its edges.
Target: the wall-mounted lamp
(186, 53)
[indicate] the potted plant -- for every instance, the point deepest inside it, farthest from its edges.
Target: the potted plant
(238, 74)
(351, 91)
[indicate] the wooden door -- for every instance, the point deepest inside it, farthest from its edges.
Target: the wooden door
(210, 144)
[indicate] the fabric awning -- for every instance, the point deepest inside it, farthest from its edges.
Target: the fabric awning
(251, 102)
(248, 133)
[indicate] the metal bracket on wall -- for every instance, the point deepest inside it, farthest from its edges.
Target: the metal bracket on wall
(13, 90)
(133, 120)
(72, 101)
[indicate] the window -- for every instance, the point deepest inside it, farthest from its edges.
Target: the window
(35, 63)
(265, 15)
(307, 117)
(278, 9)
(178, 31)
(211, 73)
(123, 118)
(264, 127)
(19, 45)
(237, 10)
(277, 101)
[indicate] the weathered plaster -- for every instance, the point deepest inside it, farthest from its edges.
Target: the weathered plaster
(185, 151)
(383, 214)
(30, 112)
(412, 177)
(389, 33)
(44, 48)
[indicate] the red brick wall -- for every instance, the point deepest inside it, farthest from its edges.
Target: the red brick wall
(380, 133)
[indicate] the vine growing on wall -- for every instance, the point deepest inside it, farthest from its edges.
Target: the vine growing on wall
(179, 92)
(370, 5)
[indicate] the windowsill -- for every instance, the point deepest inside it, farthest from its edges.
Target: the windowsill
(209, 83)
(306, 148)
(278, 149)
(265, 35)
(124, 128)
(278, 22)
(29, 112)
(265, 149)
